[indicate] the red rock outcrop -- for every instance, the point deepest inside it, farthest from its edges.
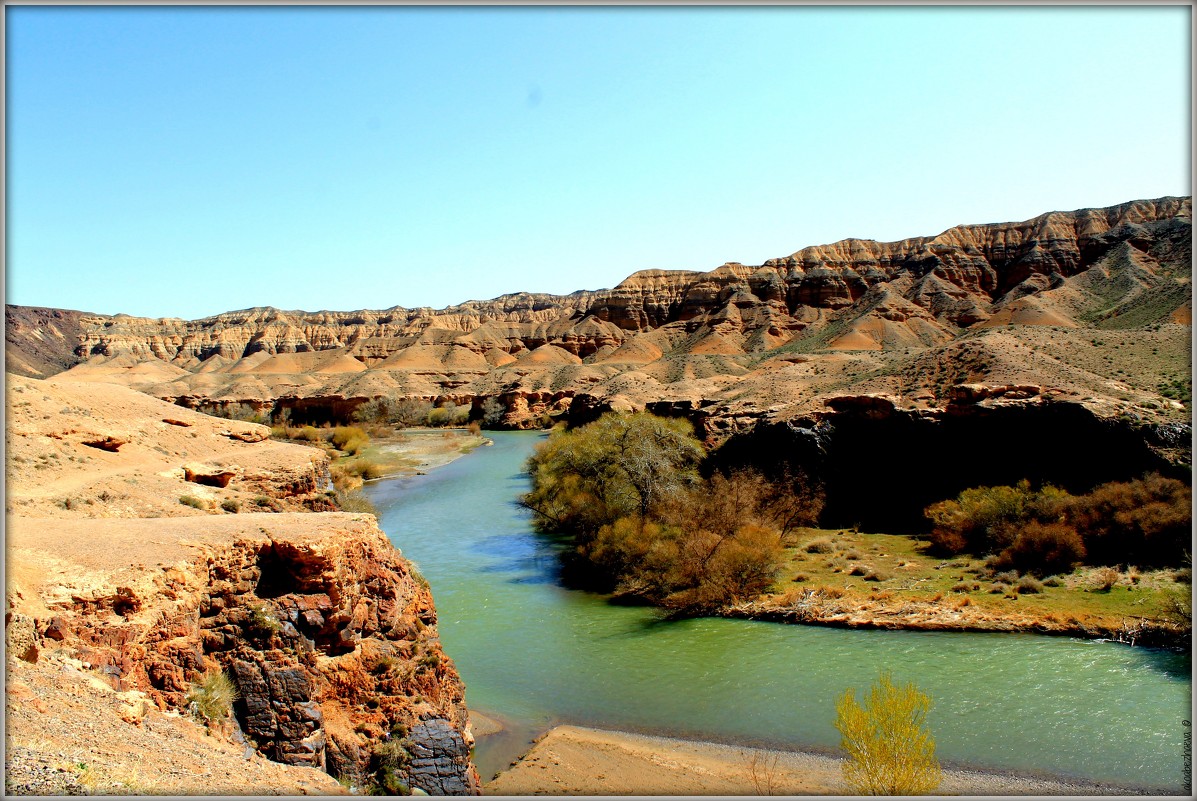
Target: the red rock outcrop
(328, 634)
(140, 563)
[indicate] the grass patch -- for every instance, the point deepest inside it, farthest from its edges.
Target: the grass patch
(211, 698)
(923, 576)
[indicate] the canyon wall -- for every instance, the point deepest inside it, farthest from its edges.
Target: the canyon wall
(949, 280)
(1092, 308)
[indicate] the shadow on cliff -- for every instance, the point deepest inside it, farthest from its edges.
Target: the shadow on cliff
(880, 472)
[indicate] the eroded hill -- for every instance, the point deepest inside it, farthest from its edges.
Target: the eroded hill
(1055, 302)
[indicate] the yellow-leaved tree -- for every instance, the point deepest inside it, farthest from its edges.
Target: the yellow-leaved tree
(890, 751)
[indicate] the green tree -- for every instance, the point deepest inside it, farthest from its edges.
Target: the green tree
(889, 749)
(643, 524)
(618, 466)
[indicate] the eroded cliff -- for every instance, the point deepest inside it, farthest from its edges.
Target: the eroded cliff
(135, 561)
(741, 341)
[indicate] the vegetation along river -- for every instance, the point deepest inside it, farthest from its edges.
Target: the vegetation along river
(534, 654)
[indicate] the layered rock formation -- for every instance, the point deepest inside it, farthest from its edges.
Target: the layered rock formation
(136, 557)
(1088, 310)
(817, 321)
(328, 635)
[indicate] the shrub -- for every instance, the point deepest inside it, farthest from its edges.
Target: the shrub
(1028, 585)
(962, 586)
(644, 524)
(1184, 575)
(355, 502)
(877, 575)
(987, 519)
(411, 411)
(1044, 548)
(389, 763)
(1144, 522)
(261, 621)
(1176, 608)
(377, 410)
(1053, 581)
(492, 412)
(1104, 579)
(889, 750)
(211, 698)
(820, 546)
(350, 439)
(617, 466)
(852, 554)
(193, 502)
(230, 505)
(308, 434)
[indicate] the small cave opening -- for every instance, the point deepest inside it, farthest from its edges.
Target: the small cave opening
(126, 602)
(277, 578)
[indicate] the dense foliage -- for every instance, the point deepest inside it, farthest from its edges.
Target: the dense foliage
(626, 489)
(1047, 530)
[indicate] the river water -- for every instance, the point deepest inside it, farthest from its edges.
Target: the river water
(534, 654)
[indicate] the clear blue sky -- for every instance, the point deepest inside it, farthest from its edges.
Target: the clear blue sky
(186, 161)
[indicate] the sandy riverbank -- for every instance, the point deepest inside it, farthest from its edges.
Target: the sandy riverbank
(571, 760)
(418, 450)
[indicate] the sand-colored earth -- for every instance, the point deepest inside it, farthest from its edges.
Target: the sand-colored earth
(69, 733)
(572, 760)
(421, 450)
(78, 449)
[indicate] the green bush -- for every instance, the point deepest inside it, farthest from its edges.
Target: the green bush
(261, 621)
(987, 519)
(1144, 522)
(389, 764)
(192, 501)
(617, 466)
(889, 749)
(211, 698)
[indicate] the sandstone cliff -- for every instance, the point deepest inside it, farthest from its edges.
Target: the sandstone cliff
(740, 341)
(326, 630)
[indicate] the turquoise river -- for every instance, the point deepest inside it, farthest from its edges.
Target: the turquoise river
(534, 654)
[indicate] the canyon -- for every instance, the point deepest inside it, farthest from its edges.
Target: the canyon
(157, 534)
(1071, 328)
